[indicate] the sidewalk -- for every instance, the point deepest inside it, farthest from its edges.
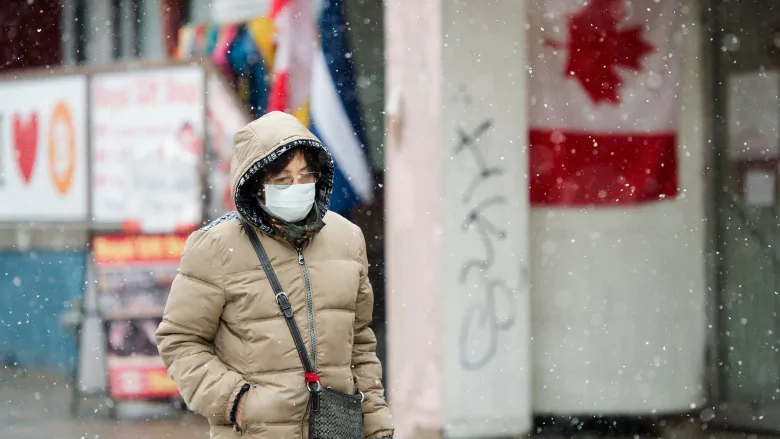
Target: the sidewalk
(38, 407)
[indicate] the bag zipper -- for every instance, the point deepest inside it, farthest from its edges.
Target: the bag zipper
(309, 305)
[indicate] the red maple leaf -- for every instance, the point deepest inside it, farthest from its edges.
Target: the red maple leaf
(597, 46)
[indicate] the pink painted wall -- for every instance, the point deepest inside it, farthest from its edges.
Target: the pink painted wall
(413, 234)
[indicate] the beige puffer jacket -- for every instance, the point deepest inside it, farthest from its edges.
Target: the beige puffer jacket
(222, 327)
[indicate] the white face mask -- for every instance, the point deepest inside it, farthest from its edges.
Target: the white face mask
(291, 204)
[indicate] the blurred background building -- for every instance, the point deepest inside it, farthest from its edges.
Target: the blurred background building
(544, 281)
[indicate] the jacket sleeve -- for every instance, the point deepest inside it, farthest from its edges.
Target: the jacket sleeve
(189, 325)
(365, 365)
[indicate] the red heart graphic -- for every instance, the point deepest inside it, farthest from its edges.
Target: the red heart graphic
(26, 144)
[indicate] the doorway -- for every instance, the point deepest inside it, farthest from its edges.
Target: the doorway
(745, 55)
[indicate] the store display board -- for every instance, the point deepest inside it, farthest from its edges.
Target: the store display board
(134, 276)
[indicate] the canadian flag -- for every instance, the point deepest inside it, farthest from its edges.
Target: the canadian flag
(603, 101)
(295, 49)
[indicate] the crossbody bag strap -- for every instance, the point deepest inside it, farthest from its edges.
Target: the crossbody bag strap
(284, 304)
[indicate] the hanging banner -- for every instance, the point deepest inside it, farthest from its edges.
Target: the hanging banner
(603, 101)
(225, 117)
(134, 277)
(147, 135)
(43, 149)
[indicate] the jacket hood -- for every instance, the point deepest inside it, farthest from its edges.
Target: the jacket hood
(260, 143)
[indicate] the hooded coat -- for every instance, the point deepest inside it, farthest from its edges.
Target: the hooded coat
(222, 328)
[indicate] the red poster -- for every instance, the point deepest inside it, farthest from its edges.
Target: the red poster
(134, 277)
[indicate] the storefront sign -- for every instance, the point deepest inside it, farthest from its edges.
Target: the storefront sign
(43, 149)
(120, 249)
(134, 277)
(147, 135)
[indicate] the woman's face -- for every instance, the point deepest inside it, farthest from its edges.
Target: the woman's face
(289, 175)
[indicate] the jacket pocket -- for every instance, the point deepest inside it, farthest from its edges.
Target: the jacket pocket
(253, 409)
(275, 400)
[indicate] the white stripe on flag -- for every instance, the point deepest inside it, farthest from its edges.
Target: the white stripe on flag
(648, 96)
(335, 129)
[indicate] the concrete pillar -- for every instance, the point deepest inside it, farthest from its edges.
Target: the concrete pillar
(127, 30)
(68, 25)
(152, 46)
(619, 293)
(200, 11)
(457, 218)
(100, 32)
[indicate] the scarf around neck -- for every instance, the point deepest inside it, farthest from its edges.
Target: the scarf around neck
(297, 234)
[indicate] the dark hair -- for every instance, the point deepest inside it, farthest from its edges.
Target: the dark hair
(315, 159)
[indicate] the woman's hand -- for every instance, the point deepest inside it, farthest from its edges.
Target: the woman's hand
(240, 410)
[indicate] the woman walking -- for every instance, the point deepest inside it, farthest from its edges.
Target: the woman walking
(265, 331)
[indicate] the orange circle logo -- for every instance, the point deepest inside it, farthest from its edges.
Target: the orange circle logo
(62, 148)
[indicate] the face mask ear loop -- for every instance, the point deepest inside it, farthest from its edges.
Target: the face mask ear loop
(261, 195)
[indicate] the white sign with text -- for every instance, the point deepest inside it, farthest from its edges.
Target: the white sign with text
(147, 147)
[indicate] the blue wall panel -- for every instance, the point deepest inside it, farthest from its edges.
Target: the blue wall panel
(35, 289)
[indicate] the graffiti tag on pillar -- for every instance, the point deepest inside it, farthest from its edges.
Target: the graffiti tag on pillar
(485, 318)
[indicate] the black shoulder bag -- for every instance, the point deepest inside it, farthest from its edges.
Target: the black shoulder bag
(332, 414)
